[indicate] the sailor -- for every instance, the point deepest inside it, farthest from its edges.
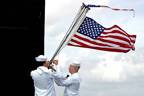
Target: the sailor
(72, 81)
(43, 78)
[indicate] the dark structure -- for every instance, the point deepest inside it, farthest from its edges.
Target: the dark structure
(22, 39)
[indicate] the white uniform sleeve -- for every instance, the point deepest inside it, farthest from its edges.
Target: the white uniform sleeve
(58, 74)
(66, 82)
(32, 74)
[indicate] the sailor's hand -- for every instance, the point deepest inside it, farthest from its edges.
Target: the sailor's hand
(55, 62)
(52, 67)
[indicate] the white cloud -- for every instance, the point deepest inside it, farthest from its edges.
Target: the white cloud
(108, 72)
(117, 67)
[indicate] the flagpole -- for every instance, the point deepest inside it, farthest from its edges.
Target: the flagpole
(78, 19)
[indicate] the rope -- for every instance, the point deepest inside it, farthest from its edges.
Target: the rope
(115, 9)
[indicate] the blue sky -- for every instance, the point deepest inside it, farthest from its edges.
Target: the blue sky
(102, 73)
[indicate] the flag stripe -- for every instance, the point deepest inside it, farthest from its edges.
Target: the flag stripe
(76, 36)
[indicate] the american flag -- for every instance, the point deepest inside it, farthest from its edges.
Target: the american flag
(92, 35)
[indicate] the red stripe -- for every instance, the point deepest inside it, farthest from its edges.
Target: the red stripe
(79, 43)
(134, 38)
(103, 49)
(92, 42)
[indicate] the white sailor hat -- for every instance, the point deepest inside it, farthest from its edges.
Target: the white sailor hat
(41, 58)
(75, 63)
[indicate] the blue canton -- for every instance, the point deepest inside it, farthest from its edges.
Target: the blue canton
(90, 28)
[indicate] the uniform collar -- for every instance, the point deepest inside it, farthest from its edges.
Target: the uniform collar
(44, 69)
(74, 74)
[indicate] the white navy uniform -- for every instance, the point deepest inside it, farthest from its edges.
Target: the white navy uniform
(72, 84)
(43, 82)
